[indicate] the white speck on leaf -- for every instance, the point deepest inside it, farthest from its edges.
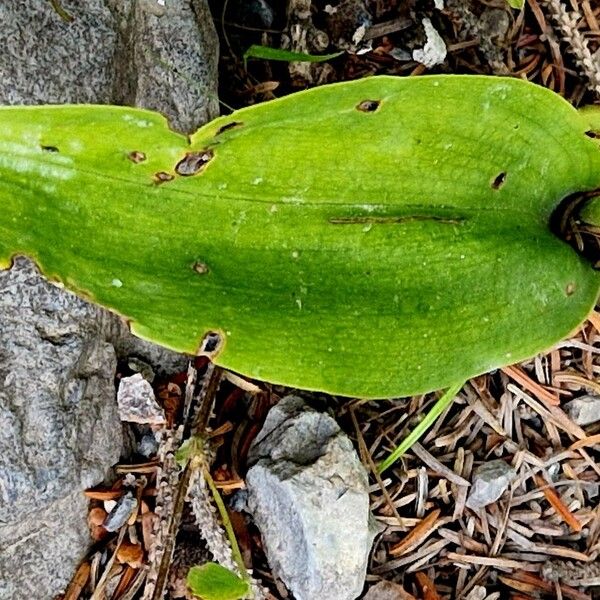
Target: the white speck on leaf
(142, 123)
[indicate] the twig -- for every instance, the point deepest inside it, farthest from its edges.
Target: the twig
(557, 504)
(567, 27)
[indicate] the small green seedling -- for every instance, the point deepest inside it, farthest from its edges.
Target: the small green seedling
(211, 581)
(375, 238)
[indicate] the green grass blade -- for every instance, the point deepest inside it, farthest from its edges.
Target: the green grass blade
(267, 53)
(428, 420)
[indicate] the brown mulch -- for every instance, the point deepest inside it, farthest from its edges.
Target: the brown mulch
(542, 538)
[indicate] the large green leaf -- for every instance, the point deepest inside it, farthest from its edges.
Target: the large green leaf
(375, 238)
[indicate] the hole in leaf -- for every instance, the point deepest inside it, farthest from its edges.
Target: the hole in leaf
(136, 156)
(200, 268)
(211, 343)
(229, 126)
(193, 162)
(162, 177)
(499, 180)
(567, 226)
(50, 149)
(368, 105)
(593, 134)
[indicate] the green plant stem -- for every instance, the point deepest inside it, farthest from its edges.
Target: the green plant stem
(415, 435)
(235, 549)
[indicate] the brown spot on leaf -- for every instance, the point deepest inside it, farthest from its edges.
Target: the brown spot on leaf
(136, 156)
(193, 162)
(570, 289)
(162, 177)
(368, 105)
(228, 126)
(499, 180)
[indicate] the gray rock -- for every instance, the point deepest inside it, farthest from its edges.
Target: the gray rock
(132, 52)
(44, 60)
(38, 560)
(137, 403)
(166, 59)
(60, 428)
(584, 410)
(308, 494)
(490, 481)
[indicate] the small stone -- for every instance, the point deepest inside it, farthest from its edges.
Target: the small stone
(400, 54)
(434, 52)
(148, 446)
(121, 512)
(490, 481)
(137, 403)
(386, 590)
(308, 495)
(584, 410)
